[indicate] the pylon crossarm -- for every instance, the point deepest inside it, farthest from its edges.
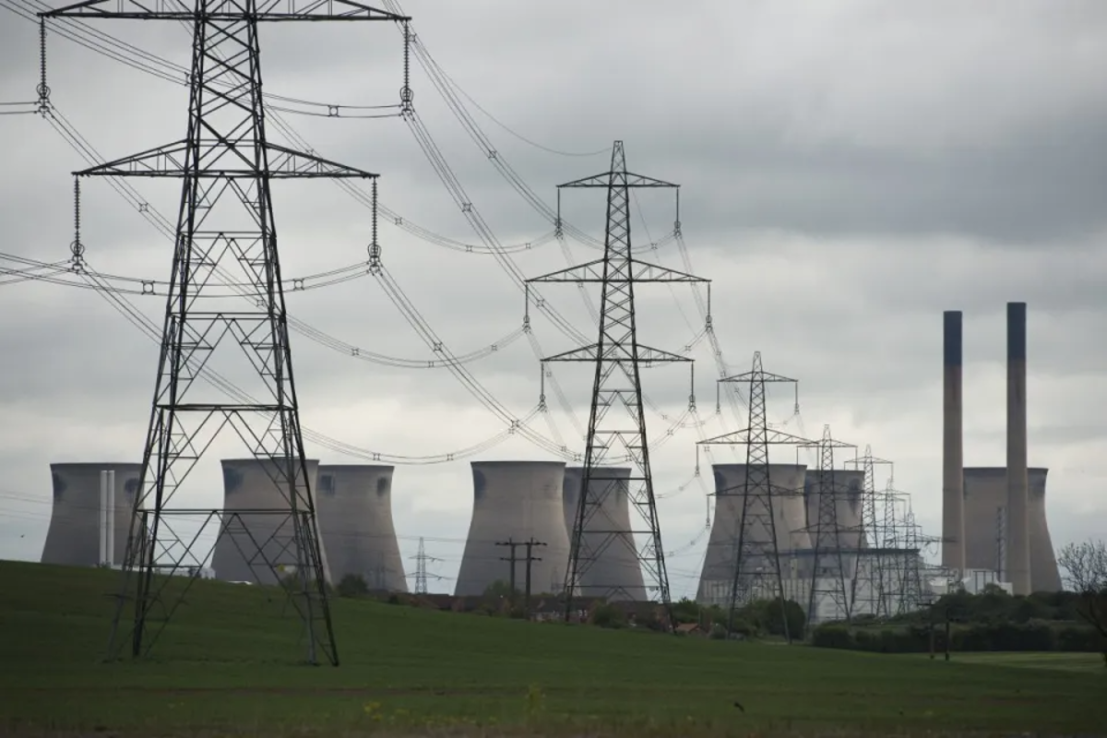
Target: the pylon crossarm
(170, 161)
(225, 10)
(743, 438)
(619, 352)
(621, 179)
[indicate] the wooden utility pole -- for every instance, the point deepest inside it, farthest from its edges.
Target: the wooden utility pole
(530, 544)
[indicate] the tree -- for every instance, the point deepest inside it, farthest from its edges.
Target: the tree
(1085, 566)
(352, 585)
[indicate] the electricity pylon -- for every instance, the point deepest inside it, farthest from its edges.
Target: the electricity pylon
(618, 356)
(872, 564)
(828, 560)
(225, 235)
(761, 524)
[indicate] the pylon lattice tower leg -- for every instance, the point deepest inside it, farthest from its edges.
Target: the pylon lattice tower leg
(757, 566)
(618, 357)
(828, 560)
(225, 234)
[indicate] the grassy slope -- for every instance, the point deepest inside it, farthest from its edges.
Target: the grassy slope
(229, 659)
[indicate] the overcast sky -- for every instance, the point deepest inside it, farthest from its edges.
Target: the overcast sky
(849, 170)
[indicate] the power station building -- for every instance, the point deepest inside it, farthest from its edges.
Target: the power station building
(517, 502)
(257, 535)
(354, 510)
(994, 518)
(608, 564)
(85, 516)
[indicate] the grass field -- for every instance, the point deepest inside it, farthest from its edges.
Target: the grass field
(228, 665)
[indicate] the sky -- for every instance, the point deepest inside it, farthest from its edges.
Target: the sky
(847, 173)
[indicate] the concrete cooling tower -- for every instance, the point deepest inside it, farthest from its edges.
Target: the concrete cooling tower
(613, 570)
(517, 501)
(986, 517)
(848, 502)
(354, 509)
(788, 515)
(251, 539)
(81, 515)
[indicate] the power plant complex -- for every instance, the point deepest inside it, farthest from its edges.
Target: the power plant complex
(994, 527)
(524, 513)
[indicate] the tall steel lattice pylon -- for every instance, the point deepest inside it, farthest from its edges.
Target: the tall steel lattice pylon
(225, 235)
(829, 568)
(757, 554)
(870, 586)
(618, 356)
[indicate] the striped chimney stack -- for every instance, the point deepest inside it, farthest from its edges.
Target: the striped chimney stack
(1018, 522)
(953, 487)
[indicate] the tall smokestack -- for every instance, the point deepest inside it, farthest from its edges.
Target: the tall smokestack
(1018, 522)
(953, 483)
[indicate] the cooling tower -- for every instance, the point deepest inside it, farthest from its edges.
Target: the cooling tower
(613, 570)
(848, 501)
(1018, 524)
(253, 540)
(953, 493)
(516, 501)
(788, 515)
(986, 507)
(354, 509)
(73, 538)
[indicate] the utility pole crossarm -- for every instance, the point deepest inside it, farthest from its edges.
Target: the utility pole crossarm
(619, 352)
(174, 160)
(633, 270)
(225, 10)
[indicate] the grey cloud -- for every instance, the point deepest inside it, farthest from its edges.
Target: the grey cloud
(839, 194)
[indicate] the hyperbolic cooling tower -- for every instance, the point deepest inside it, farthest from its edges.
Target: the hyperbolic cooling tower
(788, 515)
(985, 514)
(354, 508)
(73, 538)
(1018, 522)
(517, 501)
(849, 484)
(614, 571)
(248, 541)
(953, 493)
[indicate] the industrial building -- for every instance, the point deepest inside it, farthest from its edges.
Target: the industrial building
(354, 513)
(608, 563)
(994, 518)
(985, 520)
(90, 522)
(515, 501)
(257, 537)
(789, 518)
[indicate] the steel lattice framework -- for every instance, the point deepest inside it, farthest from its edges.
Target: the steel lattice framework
(827, 528)
(873, 565)
(225, 233)
(618, 357)
(757, 555)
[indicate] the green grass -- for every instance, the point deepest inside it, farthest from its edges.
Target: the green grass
(1088, 663)
(229, 665)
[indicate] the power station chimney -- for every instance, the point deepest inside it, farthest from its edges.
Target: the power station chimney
(953, 482)
(1018, 521)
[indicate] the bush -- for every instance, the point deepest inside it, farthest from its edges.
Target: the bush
(607, 616)
(352, 585)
